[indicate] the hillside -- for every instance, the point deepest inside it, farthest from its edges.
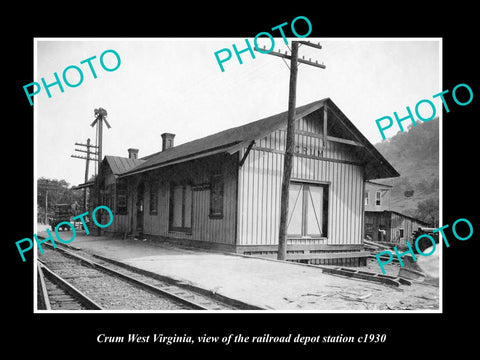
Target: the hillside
(415, 155)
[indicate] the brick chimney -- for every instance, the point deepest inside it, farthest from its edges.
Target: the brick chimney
(132, 153)
(167, 141)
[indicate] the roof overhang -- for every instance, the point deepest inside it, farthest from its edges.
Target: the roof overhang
(84, 185)
(376, 166)
(223, 149)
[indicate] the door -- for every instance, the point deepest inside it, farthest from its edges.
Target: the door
(308, 210)
(140, 207)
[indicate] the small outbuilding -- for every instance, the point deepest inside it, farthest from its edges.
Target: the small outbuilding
(382, 223)
(391, 227)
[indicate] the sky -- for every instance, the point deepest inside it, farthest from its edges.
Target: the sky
(175, 85)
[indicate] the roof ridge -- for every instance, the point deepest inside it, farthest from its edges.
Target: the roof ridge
(232, 139)
(219, 133)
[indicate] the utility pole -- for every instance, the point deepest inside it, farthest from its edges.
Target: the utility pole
(87, 158)
(288, 158)
(46, 185)
(100, 117)
(290, 141)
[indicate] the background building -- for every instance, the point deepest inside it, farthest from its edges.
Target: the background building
(383, 224)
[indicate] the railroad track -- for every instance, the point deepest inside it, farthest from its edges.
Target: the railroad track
(114, 285)
(57, 294)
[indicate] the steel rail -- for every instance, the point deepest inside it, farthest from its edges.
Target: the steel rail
(131, 280)
(45, 301)
(182, 286)
(69, 288)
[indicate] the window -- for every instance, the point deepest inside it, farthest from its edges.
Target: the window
(180, 217)
(401, 233)
(308, 210)
(378, 196)
(216, 197)
(366, 194)
(153, 198)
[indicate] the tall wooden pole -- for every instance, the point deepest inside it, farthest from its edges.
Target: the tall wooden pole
(100, 116)
(290, 142)
(99, 149)
(288, 159)
(86, 175)
(97, 179)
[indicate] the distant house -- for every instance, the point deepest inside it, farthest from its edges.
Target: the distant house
(376, 196)
(383, 224)
(223, 191)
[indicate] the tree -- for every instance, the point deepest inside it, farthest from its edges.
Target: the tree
(415, 155)
(427, 211)
(51, 192)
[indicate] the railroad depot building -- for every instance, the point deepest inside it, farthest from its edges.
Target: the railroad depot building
(223, 191)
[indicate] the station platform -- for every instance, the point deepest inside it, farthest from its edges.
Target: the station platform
(269, 284)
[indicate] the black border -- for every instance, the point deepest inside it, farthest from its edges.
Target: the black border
(406, 333)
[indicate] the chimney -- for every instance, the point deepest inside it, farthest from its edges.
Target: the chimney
(133, 153)
(167, 141)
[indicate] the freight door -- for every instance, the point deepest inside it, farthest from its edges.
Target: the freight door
(308, 210)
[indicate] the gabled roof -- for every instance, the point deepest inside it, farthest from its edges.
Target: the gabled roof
(119, 164)
(234, 139)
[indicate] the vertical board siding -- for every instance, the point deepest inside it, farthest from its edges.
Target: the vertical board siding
(260, 189)
(392, 222)
(259, 198)
(198, 174)
(120, 223)
(260, 179)
(308, 145)
(408, 225)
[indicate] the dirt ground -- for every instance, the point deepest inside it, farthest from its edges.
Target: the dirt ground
(273, 285)
(366, 295)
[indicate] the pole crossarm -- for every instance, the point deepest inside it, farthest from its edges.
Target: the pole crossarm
(309, 43)
(87, 163)
(95, 146)
(309, 62)
(275, 53)
(302, 60)
(86, 151)
(83, 157)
